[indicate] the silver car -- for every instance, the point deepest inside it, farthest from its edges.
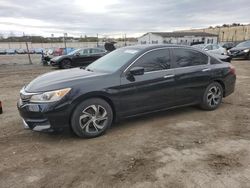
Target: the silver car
(212, 48)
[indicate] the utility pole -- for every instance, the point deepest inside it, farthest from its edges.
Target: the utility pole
(27, 48)
(97, 45)
(235, 35)
(125, 43)
(64, 37)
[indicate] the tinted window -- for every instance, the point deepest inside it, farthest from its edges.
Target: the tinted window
(244, 44)
(154, 61)
(96, 51)
(84, 51)
(186, 57)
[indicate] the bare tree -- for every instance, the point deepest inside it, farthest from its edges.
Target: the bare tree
(27, 48)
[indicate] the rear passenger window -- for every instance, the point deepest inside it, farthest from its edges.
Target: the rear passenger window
(214, 61)
(154, 61)
(186, 57)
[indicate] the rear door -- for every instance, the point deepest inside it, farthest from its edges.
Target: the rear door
(154, 89)
(192, 74)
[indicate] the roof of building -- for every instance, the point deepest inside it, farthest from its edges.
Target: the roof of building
(182, 34)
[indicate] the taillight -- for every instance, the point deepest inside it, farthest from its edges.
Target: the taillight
(232, 70)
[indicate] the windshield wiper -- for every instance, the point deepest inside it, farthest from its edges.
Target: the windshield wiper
(88, 69)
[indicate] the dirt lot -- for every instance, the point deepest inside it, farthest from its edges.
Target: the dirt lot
(185, 147)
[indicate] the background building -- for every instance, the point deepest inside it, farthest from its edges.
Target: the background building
(185, 38)
(227, 33)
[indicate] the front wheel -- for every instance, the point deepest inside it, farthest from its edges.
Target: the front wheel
(212, 97)
(91, 118)
(65, 64)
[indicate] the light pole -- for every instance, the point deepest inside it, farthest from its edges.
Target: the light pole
(97, 40)
(65, 36)
(125, 43)
(51, 41)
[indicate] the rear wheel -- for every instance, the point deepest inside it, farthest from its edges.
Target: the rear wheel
(91, 118)
(66, 64)
(212, 96)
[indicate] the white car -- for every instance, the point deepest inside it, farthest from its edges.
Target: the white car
(212, 48)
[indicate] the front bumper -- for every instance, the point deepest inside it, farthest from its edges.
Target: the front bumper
(54, 63)
(44, 117)
(239, 54)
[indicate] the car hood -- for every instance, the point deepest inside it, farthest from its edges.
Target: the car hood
(60, 79)
(238, 48)
(56, 58)
(219, 56)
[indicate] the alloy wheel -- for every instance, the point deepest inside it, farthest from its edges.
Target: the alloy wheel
(214, 96)
(66, 64)
(93, 119)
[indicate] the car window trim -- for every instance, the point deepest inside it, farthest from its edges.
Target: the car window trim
(208, 60)
(162, 48)
(171, 56)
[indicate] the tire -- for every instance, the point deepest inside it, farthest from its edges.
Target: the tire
(212, 96)
(91, 118)
(65, 64)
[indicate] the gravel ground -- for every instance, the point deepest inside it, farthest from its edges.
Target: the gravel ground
(185, 147)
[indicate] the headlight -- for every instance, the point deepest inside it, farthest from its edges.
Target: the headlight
(246, 50)
(50, 96)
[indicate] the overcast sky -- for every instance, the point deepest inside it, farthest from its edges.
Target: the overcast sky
(116, 17)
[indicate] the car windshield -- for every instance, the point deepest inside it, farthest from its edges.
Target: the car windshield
(199, 46)
(244, 44)
(73, 52)
(113, 61)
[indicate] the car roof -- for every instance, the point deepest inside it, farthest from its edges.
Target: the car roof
(146, 47)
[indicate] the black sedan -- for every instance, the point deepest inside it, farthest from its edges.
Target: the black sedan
(242, 50)
(79, 57)
(127, 82)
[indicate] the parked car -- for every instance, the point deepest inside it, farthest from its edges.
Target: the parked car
(227, 45)
(224, 58)
(242, 50)
(79, 57)
(212, 48)
(127, 82)
(20, 51)
(11, 51)
(38, 50)
(2, 51)
(31, 51)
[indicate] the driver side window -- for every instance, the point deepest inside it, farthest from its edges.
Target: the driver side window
(154, 61)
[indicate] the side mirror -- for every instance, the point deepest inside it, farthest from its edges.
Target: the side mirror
(77, 54)
(135, 71)
(205, 49)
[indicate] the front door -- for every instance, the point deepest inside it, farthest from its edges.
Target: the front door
(151, 91)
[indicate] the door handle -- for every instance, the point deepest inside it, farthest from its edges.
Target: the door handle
(169, 76)
(205, 70)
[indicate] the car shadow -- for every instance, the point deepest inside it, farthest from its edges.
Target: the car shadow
(134, 121)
